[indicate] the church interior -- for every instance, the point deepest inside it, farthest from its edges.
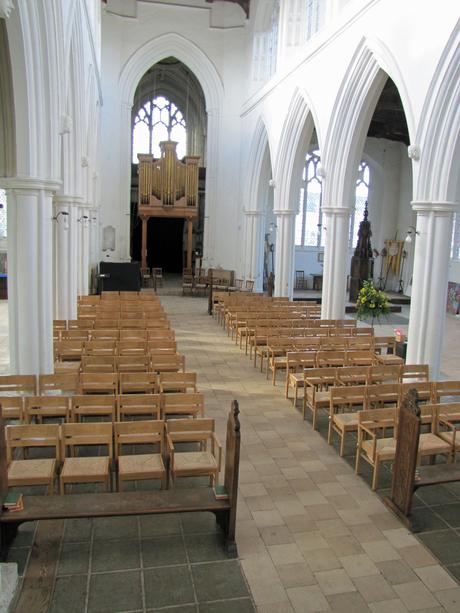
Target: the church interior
(229, 306)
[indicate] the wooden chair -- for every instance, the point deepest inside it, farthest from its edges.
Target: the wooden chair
(296, 363)
(381, 373)
(133, 363)
(38, 407)
(205, 462)
(317, 384)
(138, 383)
(60, 384)
(106, 348)
(374, 446)
(415, 372)
(157, 275)
(383, 396)
(76, 334)
(99, 363)
(157, 324)
(167, 362)
(140, 466)
(160, 345)
(424, 390)
(133, 324)
(59, 324)
(248, 285)
(106, 324)
(18, 385)
(84, 324)
(352, 375)
(94, 469)
(361, 343)
(448, 419)
(178, 382)
(343, 406)
(431, 443)
(99, 383)
(32, 471)
(96, 405)
(360, 358)
(138, 336)
(132, 347)
(12, 407)
(105, 334)
(154, 334)
(135, 405)
(68, 350)
(182, 404)
(446, 391)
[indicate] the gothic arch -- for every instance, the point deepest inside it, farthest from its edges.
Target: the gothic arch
(361, 87)
(439, 130)
(260, 147)
(295, 140)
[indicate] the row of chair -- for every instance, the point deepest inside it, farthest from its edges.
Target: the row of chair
(71, 383)
(114, 334)
(300, 376)
(105, 406)
(377, 432)
(117, 296)
(66, 438)
(113, 323)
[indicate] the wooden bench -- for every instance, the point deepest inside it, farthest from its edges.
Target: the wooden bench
(183, 500)
(407, 478)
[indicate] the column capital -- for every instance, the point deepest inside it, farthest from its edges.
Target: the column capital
(284, 212)
(253, 212)
(68, 200)
(6, 6)
(336, 210)
(425, 206)
(31, 183)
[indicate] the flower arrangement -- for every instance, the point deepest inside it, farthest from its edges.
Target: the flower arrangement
(371, 303)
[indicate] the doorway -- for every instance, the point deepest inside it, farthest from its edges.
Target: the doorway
(165, 243)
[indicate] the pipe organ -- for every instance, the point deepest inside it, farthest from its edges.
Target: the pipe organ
(168, 188)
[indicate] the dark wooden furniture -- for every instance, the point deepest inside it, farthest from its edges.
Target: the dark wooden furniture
(401, 349)
(197, 499)
(317, 282)
(407, 478)
(3, 286)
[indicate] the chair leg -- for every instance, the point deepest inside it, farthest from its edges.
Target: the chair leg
(375, 475)
(342, 443)
(358, 458)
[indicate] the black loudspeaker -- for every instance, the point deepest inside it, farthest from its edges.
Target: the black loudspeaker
(119, 276)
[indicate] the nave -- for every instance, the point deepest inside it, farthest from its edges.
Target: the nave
(311, 535)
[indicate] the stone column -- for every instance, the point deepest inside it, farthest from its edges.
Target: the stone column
(284, 253)
(336, 221)
(61, 255)
(85, 250)
(189, 243)
(429, 286)
(30, 274)
(253, 248)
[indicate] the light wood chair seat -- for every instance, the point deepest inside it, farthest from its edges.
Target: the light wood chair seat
(432, 444)
(196, 461)
(31, 472)
(373, 444)
(136, 466)
(388, 359)
(85, 469)
(385, 448)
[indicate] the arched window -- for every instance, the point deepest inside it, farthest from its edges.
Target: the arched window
(362, 196)
(308, 227)
(158, 120)
(312, 17)
(265, 49)
(309, 223)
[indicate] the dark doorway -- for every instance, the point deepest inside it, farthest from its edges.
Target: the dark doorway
(165, 243)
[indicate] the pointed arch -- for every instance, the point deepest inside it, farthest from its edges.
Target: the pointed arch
(360, 90)
(259, 149)
(295, 140)
(439, 130)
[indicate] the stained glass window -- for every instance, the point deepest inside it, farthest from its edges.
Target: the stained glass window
(158, 120)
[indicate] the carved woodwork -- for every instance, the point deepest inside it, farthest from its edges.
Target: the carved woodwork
(362, 263)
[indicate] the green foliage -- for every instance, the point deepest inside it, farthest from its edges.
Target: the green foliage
(371, 303)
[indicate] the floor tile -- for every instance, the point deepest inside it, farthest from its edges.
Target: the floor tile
(74, 559)
(168, 586)
(115, 555)
(444, 544)
(218, 581)
(163, 551)
(205, 547)
(115, 528)
(160, 525)
(77, 529)
(113, 592)
(242, 605)
(69, 595)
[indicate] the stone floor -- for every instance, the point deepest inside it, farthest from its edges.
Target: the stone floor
(311, 535)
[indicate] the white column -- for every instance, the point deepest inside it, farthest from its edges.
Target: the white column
(30, 274)
(85, 250)
(61, 214)
(74, 228)
(336, 221)
(284, 253)
(429, 286)
(253, 248)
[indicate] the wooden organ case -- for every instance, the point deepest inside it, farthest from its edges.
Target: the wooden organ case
(168, 188)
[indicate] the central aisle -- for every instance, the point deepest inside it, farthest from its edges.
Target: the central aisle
(311, 534)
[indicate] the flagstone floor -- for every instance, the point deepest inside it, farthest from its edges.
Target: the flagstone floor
(311, 534)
